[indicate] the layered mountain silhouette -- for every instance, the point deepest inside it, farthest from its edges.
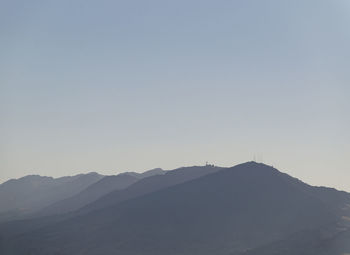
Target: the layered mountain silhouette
(104, 186)
(150, 184)
(247, 209)
(34, 192)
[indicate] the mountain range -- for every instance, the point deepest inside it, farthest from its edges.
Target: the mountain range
(248, 209)
(98, 189)
(33, 192)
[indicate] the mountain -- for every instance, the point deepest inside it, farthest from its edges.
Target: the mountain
(321, 241)
(155, 171)
(104, 186)
(232, 211)
(34, 192)
(150, 184)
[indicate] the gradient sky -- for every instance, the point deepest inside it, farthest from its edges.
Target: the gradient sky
(114, 86)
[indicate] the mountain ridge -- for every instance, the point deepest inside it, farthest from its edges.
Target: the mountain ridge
(226, 212)
(96, 190)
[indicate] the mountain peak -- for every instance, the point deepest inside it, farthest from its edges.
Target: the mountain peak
(255, 165)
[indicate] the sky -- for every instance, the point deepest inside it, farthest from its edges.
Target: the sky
(114, 86)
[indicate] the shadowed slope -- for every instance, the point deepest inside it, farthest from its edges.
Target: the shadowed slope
(321, 241)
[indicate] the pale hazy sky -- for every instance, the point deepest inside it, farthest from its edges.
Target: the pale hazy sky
(111, 86)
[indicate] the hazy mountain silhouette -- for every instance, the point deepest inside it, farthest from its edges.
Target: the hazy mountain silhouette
(155, 171)
(227, 212)
(34, 192)
(150, 184)
(104, 186)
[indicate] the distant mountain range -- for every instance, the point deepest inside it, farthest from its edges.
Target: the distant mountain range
(248, 209)
(33, 192)
(149, 185)
(102, 187)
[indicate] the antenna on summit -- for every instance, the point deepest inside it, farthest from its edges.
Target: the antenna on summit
(207, 164)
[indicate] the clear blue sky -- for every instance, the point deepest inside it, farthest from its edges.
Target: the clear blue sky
(111, 86)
